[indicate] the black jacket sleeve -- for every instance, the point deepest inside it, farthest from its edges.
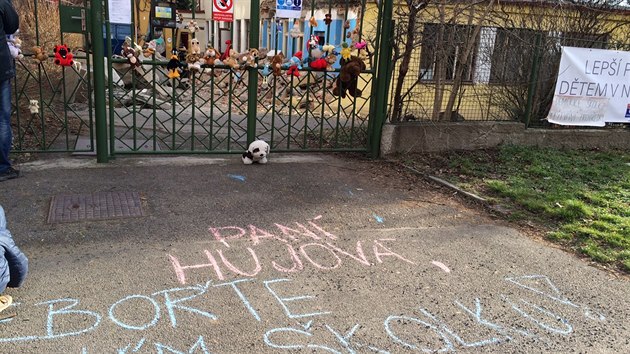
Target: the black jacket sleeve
(9, 18)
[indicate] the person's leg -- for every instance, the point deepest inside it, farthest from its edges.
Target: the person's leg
(6, 171)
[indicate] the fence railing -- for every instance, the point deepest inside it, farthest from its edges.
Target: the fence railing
(509, 74)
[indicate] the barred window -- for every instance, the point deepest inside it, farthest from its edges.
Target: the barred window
(445, 44)
(512, 54)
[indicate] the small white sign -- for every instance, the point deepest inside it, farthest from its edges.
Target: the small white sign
(289, 8)
(223, 10)
(120, 11)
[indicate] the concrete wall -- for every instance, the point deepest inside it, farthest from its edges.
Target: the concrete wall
(439, 136)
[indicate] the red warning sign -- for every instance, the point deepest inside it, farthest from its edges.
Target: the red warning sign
(223, 10)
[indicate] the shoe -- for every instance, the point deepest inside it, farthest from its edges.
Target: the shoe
(5, 301)
(10, 173)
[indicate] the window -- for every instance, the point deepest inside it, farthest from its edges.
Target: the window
(443, 47)
(512, 54)
(584, 40)
(321, 37)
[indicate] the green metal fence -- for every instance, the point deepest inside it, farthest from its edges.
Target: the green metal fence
(114, 108)
(509, 74)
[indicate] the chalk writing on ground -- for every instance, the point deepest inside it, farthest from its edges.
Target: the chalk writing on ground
(537, 310)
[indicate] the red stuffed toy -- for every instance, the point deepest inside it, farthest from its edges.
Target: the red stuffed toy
(319, 64)
(63, 56)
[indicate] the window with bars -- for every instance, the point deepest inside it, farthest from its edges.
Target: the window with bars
(444, 46)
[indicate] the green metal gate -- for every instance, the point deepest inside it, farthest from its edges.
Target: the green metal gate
(218, 109)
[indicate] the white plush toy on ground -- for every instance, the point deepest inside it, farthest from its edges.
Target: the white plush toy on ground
(257, 152)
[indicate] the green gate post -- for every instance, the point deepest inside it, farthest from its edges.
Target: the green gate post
(380, 108)
(98, 70)
(252, 86)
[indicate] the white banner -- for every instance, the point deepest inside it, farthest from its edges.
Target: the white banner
(289, 8)
(593, 88)
(120, 11)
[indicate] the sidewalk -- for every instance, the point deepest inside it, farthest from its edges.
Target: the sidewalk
(309, 252)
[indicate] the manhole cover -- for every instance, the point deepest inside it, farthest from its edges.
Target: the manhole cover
(94, 206)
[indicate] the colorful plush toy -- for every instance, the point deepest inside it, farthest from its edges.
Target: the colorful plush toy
(63, 56)
(313, 22)
(328, 49)
(317, 60)
(346, 52)
(228, 48)
(173, 66)
(294, 65)
(348, 78)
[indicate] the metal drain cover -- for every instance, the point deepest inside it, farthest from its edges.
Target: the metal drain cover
(94, 206)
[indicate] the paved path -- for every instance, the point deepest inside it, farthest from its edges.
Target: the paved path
(311, 253)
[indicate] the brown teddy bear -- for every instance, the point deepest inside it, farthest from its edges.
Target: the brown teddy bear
(39, 55)
(276, 64)
(348, 78)
(211, 56)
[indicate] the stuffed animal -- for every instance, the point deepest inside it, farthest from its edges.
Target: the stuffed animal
(228, 48)
(192, 27)
(346, 24)
(15, 45)
(276, 64)
(256, 152)
(249, 59)
(150, 49)
(331, 59)
(295, 31)
(327, 19)
(33, 106)
(328, 48)
(294, 65)
(193, 58)
(128, 52)
(348, 78)
(211, 56)
(232, 60)
(313, 42)
(266, 71)
(173, 66)
(63, 56)
(313, 22)
(39, 54)
(346, 52)
(317, 62)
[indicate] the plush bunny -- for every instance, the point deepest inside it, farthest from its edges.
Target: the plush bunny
(15, 45)
(256, 152)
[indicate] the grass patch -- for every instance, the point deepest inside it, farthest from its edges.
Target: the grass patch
(583, 197)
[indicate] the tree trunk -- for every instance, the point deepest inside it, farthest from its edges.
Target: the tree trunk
(465, 58)
(404, 65)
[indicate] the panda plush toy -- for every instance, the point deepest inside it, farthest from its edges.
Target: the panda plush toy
(256, 152)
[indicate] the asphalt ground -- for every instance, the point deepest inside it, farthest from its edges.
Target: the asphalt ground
(309, 253)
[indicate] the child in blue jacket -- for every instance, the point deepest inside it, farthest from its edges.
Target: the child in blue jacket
(13, 263)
